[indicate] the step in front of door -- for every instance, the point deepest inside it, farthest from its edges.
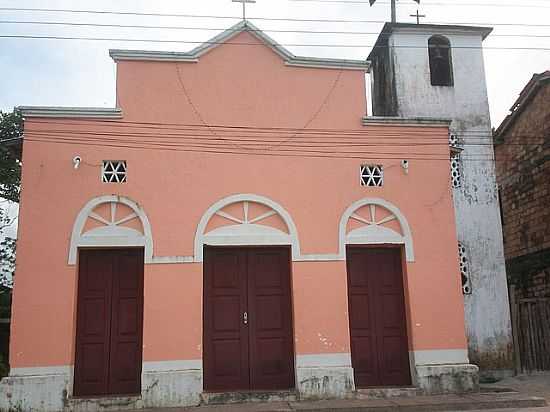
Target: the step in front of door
(104, 403)
(389, 392)
(222, 398)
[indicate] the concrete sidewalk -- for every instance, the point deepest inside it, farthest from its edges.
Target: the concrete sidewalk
(470, 402)
(536, 384)
(523, 393)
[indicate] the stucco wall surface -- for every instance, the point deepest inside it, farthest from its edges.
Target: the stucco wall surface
(476, 200)
(231, 85)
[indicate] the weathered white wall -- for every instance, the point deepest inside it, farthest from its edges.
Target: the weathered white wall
(476, 201)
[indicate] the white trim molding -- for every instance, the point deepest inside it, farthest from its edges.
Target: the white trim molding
(373, 231)
(407, 121)
(246, 232)
(439, 357)
(172, 365)
(41, 370)
(111, 234)
(225, 36)
(71, 112)
(323, 360)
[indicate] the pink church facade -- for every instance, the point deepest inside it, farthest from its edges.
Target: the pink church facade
(243, 240)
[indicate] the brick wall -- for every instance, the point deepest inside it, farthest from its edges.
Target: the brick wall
(523, 175)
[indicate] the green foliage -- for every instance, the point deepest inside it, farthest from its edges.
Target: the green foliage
(4, 369)
(11, 127)
(7, 263)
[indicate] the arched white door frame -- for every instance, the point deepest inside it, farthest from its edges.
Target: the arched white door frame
(111, 234)
(375, 233)
(246, 233)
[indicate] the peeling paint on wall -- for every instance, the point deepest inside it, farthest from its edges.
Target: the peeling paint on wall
(476, 200)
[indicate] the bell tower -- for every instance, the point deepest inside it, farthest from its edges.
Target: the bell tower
(425, 70)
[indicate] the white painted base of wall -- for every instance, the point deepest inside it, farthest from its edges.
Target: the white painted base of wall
(442, 379)
(180, 383)
(171, 388)
(34, 393)
(325, 383)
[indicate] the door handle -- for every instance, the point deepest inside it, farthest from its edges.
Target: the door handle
(245, 318)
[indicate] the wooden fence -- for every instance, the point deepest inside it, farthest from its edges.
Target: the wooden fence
(531, 327)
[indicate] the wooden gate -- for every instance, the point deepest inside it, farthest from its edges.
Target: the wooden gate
(531, 327)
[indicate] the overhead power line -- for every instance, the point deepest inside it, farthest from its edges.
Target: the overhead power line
(248, 140)
(220, 149)
(271, 131)
(140, 26)
(333, 141)
(127, 13)
(232, 43)
(235, 128)
(428, 3)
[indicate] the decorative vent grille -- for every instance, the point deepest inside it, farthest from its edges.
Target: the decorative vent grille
(456, 171)
(114, 171)
(464, 270)
(453, 140)
(456, 164)
(372, 175)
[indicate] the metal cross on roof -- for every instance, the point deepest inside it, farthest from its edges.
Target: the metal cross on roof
(418, 16)
(244, 5)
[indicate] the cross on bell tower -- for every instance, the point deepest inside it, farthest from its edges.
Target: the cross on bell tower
(244, 5)
(418, 16)
(393, 9)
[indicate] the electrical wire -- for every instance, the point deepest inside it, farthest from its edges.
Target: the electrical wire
(270, 145)
(124, 13)
(231, 43)
(300, 132)
(140, 26)
(252, 152)
(116, 141)
(427, 3)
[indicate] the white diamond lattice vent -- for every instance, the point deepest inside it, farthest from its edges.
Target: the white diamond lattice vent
(372, 175)
(464, 270)
(114, 171)
(456, 172)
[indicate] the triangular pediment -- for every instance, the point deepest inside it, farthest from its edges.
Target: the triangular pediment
(194, 55)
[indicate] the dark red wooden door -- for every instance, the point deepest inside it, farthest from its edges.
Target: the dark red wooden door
(378, 328)
(248, 340)
(109, 326)
(270, 319)
(225, 337)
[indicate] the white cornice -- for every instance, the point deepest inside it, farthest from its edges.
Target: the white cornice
(407, 121)
(146, 55)
(430, 29)
(71, 112)
(194, 55)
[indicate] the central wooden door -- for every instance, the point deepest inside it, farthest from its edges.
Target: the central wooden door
(248, 339)
(109, 324)
(378, 327)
